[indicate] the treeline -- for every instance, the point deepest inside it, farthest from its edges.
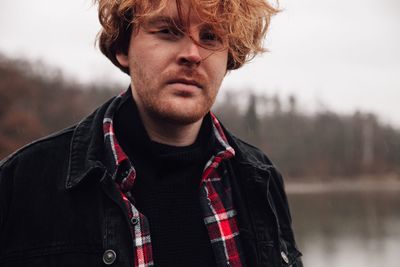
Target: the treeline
(322, 145)
(36, 100)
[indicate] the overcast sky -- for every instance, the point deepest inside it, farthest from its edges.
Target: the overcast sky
(340, 54)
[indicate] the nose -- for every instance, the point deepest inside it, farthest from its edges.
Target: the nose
(190, 54)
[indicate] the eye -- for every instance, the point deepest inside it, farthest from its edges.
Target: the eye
(168, 32)
(209, 36)
(209, 39)
(165, 31)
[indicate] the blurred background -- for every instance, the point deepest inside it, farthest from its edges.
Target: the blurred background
(322, 103)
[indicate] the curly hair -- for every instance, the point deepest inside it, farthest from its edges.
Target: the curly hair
(244, 23)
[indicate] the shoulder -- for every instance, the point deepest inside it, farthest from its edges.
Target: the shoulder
(48, 146)
(57, 143)
(249, 153)
(32, 167)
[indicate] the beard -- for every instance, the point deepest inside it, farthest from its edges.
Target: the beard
(178, 115)
(160, 104)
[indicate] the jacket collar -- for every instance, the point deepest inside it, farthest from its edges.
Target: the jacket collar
(86, 148)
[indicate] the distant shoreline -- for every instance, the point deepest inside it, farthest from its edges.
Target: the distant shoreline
(381, 183)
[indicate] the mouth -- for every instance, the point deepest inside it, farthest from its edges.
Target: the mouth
(186, 82)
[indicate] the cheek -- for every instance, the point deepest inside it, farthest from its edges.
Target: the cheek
(219, 66)
(148, 68)
(218, 75)
(141, 69)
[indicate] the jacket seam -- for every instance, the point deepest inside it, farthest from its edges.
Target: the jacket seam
(38, 141)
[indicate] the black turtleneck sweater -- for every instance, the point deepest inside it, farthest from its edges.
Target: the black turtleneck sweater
(166, 189)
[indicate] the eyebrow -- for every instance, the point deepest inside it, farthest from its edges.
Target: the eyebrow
(175, 21)
(153, 21)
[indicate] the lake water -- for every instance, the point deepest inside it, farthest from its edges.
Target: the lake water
(352, 226)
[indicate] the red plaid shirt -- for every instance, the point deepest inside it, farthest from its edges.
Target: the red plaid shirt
(215, 198)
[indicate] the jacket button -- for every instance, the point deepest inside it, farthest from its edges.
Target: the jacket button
(109, 257)
(134, 220)
(284, 257)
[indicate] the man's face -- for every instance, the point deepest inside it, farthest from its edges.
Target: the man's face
(173, 78)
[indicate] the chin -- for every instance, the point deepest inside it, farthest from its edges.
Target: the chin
(179, 115)
(182, 118)
(178, 111)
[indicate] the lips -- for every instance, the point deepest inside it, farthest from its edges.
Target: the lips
(186, 81)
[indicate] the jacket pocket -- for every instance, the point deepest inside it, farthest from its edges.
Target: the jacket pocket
(53, 255)
(266, 256)
(290, 255)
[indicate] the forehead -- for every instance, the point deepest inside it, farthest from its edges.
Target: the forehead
(180, 11)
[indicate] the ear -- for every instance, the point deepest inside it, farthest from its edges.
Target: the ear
(122, 59)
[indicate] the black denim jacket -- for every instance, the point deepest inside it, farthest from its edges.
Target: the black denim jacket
(59, 206)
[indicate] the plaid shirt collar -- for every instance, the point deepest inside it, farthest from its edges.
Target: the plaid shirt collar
(215, 198)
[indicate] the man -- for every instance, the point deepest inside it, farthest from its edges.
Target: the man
(151, 178)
